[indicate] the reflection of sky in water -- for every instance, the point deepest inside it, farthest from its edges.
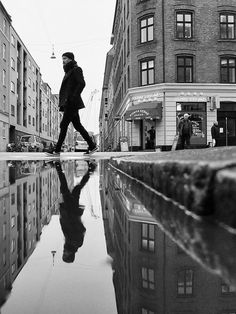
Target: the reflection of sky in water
(77, 287)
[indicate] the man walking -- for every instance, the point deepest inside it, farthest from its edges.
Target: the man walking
(185, 129)
(70, 102)
(215, 134)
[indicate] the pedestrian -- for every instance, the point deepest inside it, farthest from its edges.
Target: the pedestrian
(215, 134)
(70, 102)
(152, 136)
(185, 130)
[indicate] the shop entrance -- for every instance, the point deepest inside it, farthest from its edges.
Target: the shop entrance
(226, 117)
(148, 134)
(197, 112)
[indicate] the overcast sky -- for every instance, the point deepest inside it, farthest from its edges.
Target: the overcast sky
(83, 27)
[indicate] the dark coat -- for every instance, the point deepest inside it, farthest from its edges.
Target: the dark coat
(189, 127)
(71, 88)
(215, 132)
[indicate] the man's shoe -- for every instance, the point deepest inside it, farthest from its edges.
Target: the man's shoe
(91, 151)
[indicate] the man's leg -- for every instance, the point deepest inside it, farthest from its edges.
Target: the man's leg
(79, 127)
(63, 125)
(182, 141)
(187, 141)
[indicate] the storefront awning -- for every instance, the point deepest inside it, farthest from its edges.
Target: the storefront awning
(146, 110)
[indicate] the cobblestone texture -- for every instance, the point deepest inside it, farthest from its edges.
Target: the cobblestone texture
(202, 180)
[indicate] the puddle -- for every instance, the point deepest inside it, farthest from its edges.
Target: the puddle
(79, 238)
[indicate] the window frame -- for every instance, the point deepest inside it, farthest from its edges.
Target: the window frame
(147, 60)
(227, 58)
(184, 12)
(227, 23)
(146, 28)
(185, 68)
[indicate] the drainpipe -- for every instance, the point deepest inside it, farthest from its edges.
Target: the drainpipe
(163, 40)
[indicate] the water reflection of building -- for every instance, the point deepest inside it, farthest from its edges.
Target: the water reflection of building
(29, 195)
(151, 273)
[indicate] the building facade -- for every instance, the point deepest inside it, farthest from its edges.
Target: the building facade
(172, 57)
(27, 105)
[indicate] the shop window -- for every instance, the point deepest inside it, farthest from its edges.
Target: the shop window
(227, 26)
(146, 29)
(147, 311)
(227, 289)
(184, 25)
(184, 69)
(185, 282)
(147, 72)
(228, 69)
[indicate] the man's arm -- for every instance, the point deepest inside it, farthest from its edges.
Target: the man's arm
(80, 82)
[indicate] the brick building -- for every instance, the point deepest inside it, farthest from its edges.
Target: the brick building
(171, 57)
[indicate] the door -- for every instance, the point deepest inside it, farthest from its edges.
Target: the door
(227, 126)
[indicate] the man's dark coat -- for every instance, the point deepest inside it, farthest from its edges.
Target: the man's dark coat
(71, 88)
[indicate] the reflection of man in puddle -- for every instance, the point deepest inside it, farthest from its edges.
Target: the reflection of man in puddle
(71, 212)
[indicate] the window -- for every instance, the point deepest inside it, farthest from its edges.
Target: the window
(148, 278)
(13, 245)
(4, 230)
(148, 237)
(227, 26)
(3, 77)
(4, 48)
(33, 86)
(29, 119)
(147, 311)
(13, 221)
(128, 41)
(4, 127)
(147, 72)
(29, 100)
(12, 110)
(184, 25)
(146, 29)
(4, 258)
(4, 103)
(12, 87)
(29, 82)
(184, 69)
(4, 26)
(228, 70)
(13, 66)
(13, 268)
(33, 121)
(13, 40)
(226, 289)
(33, 105)
(185, 282)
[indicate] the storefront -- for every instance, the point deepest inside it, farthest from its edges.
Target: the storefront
(197, 114)
(143, 119)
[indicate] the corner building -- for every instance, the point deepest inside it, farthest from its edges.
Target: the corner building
(172, 57)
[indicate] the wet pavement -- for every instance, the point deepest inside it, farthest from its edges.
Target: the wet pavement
(81, 237)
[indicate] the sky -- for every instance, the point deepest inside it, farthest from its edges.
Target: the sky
(82, 27)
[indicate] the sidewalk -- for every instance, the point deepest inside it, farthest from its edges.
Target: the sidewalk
(202, 180)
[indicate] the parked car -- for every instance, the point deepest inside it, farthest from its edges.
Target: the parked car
(81, 145)
(13, 147)
(31, 143)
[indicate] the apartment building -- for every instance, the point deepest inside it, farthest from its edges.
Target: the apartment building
(22, 111)
(5, 22)
(172, 57)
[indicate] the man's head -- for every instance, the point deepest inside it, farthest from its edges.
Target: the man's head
(216, 122)
(67, 57)
(186, 115)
